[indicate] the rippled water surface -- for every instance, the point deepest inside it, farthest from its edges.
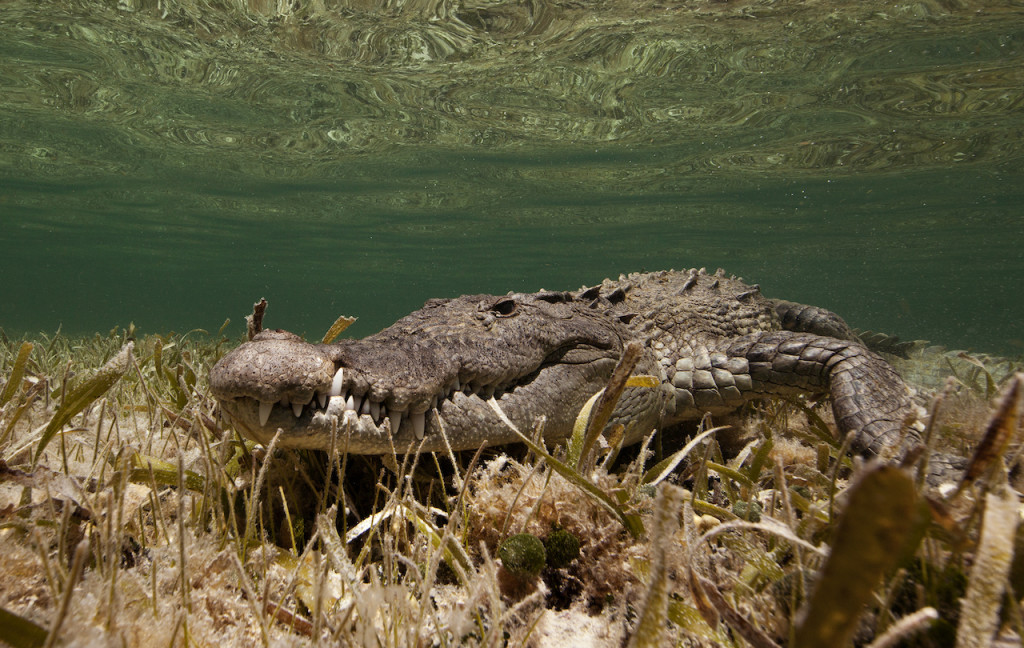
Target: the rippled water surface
(168, 162)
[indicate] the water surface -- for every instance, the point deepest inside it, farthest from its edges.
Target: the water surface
(169, 163)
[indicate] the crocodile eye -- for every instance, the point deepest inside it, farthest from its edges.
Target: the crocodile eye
(504, 308)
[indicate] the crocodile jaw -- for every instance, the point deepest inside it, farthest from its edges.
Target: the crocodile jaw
(459, 421)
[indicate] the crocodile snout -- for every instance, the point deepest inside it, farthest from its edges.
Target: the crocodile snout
(275, 367)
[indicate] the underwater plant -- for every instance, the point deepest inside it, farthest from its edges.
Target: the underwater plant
(128, 512)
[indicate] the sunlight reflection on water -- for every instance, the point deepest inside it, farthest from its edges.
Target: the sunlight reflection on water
(172, 169)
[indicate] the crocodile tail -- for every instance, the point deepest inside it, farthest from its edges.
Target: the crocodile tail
(869, 399)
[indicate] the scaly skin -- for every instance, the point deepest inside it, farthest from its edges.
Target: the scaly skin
(713, 342)
(720, 343)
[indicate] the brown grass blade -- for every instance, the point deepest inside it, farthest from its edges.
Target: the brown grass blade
(340, 324)
(875, 532)
(254, 322)
(734, 619)
(998, 433)
(606, 403)
(650, 627)
(19, 632)
(17, 373)
(85, 394)
(979, 615)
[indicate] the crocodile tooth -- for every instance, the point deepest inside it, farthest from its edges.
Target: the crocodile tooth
(457, 386)
(297, 409)
(396, 420)
(336, 383)
(365, 407)
(322, 398)
(374, 410)
(350, 403)
(265, 407)
(419, 423)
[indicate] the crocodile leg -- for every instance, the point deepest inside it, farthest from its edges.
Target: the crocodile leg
(942, 467)
(869, 399)
(802, 318)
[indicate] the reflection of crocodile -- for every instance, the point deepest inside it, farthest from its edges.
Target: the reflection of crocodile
(713, 342)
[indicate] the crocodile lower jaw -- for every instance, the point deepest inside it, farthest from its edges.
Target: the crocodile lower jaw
(340, 426)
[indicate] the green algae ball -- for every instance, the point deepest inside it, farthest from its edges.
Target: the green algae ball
(562, 548)
(750, 511)
(523, 554)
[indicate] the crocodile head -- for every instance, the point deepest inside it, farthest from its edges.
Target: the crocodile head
(426, 381)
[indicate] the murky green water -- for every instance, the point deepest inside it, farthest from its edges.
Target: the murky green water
(168, 162)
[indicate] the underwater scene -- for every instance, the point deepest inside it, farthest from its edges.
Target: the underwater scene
(169, 162)
(643, 463)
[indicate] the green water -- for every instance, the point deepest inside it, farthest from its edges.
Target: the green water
(168, 163)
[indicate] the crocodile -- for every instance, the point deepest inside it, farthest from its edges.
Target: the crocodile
(461, 373)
